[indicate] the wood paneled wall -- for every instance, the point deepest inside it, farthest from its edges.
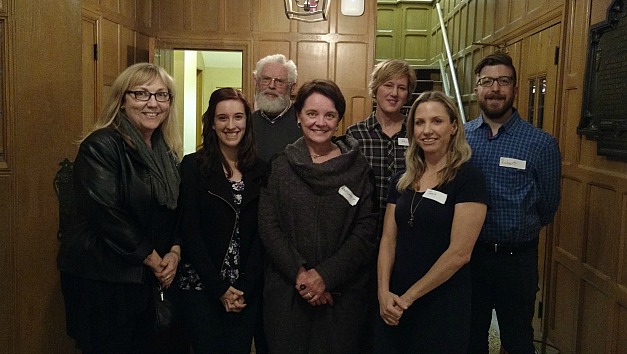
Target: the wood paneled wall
(42, 118)
(46, 106)
(341, 49)
(587, 310)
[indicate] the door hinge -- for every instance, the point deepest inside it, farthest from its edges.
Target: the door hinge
(95, 52)
(556, 59)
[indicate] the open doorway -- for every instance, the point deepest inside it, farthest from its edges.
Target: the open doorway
(197, 74)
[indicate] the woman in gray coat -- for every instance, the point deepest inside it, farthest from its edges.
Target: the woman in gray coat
(317, 222)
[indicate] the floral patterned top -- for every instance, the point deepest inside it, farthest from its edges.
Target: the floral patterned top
(189, 279)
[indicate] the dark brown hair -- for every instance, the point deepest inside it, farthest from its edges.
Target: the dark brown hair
(326, 88)
(496, 59)
(210, 152)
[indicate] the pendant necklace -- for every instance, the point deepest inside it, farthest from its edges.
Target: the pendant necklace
(412, 209)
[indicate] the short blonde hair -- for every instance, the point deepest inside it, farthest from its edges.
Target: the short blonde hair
(388, 70)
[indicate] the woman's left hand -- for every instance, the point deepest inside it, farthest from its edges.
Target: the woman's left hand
(169, 262)
(310, 285)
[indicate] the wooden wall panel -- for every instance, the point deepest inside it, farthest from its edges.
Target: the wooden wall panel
(322, 27)
(350, 24)
(517, 11)
(313, 61)
(7, 266)
(237, 20)
(564, 320)
(273, 47)
(128, 9)
(126, 50)
(572, 208)
(109, 51)
(602, 234)
(621, 329)
(386, 45)
(593, 324)
(270, 17)
(110, 5)
(44, 120)
(501, 16)
(351, 73)
(205, 16)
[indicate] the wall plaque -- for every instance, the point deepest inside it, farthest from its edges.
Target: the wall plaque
(604, 110)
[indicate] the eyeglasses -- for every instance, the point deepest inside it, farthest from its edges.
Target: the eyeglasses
(141, 95)
(489, 81)
(266, 80)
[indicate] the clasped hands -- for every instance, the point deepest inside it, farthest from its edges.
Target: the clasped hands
(233, 300)
(164, 269)
(311, 287)
(392, 307)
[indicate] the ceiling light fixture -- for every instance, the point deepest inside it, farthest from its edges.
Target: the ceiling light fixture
(307, 10)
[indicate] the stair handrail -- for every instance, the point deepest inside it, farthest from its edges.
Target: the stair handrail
(445, 84)
(458, 95)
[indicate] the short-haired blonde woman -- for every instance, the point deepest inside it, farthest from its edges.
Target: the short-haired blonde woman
(434, 214)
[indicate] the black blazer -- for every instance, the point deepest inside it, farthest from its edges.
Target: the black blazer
(208, 220)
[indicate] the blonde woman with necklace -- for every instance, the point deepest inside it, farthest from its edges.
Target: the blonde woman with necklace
(435, 211)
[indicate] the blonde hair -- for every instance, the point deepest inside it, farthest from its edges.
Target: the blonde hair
(389, 70)
(458, 149)
(135, 75)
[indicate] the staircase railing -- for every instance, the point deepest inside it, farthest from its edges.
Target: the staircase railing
(458, 95)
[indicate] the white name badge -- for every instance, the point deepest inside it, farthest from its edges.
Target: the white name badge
(513, 163)
(348, 195)
(403, 141)
(435, 195)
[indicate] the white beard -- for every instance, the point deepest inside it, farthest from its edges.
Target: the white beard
(271, 104)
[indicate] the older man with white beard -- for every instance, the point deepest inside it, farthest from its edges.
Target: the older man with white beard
(274, 121)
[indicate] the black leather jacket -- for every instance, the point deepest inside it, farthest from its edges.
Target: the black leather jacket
(119, 222)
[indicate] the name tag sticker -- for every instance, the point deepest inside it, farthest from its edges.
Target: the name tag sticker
(435, 195)
(348, 195)
(403, 141)
(513, 163)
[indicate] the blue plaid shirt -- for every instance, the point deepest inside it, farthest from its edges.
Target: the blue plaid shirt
(522, 166)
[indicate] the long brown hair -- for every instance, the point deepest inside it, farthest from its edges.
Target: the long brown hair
(210, 152)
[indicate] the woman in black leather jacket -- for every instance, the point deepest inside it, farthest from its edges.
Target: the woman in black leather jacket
(122, 243)
(221, 276)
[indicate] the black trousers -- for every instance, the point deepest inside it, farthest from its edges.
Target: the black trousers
(504, 278)
(108, 317)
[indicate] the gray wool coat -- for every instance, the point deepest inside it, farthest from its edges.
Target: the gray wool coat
(305, 221)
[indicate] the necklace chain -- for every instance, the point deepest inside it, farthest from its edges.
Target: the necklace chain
(316, 156)
(413, 209)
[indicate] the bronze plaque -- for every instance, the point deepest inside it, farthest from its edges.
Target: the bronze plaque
(604, 111)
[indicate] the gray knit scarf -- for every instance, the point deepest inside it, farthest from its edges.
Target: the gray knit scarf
(161, 162)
